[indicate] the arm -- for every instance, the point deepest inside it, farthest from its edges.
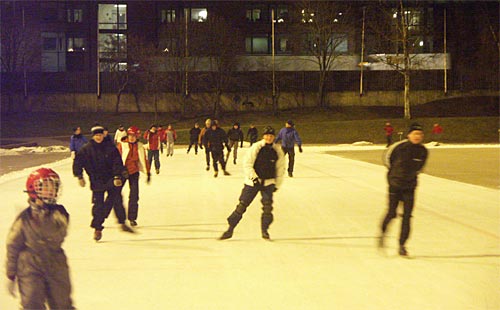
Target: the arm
(280, 166)
(249, 160)
(15, 244)
(72, 144)
(297, 138)
(79, 163)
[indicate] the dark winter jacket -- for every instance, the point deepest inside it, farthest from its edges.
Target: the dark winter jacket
(76, 142)
(404, 160)
(101, 161)
(252, 134)
(235, 134)
(288, 137)
(216, 139)
(194, 133)
(265, 162)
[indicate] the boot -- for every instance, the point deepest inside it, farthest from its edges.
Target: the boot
(133, 223)
(403, 251)
(265, 235)
(97, 235)
(227, 234)
(216, 173)
(126, 228)
(226, 173)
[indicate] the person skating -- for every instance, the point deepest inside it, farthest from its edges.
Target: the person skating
(252, 134)
(289, 137)
(264, 167)
(153, 139)
(437, 131)
(404, 160)
(388, 133)
(120, 134)
(201, 142)
(35, 258)
(215, 138)
(135, 160)
(170, 138)
(104, 166)
(194, 134)
(235, 136)
(77, 141)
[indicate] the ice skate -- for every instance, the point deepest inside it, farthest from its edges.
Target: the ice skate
(290, 174)
(403, 251)
(208, 168)
(265, 235)
(226, 235)
(133, 223)
(226, 173)
(234, 161)
(126, 228)
(157, 171)
(216, 173)
(97, 235)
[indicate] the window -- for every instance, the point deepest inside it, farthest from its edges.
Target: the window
(281, 45)
(53, 52)
(339, 43)
(75, 44)
(281, 14)
(167, 16)
(113, 45)
(257, 45)
(199, 15)
(74, 15)
(112, 16)
(254, 14)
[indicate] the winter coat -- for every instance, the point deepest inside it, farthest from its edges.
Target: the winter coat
(76, 142)
(266, 162)
(216, 139)
(141, 163)
(253, 134)
(119, 135)
(388, 130)
(235, 134)
(404, 160)
(194, 133)
(34, 251)
(170, 135)
(154, 140)
(101, 161)
(288, 137)
(202, 134)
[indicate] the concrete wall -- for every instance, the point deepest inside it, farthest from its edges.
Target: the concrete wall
(203, 102)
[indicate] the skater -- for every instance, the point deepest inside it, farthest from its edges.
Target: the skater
(235, 136)
(77, 141)
(103, 164)
(263, 166)
(34, 254)
(161, 133)
(153, 145)
(135, 159)
(194, 133)
(215, 138)
(288, 137)
(253, 134)
(388, 133)
(170, 138)
(404, 159)
(208, 122)
(437, 131)
(120, 134)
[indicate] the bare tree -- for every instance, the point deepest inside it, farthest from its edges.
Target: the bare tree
(399, 33)
(324, 27)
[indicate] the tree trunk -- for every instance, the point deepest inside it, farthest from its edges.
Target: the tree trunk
(321, 90)
(117, 106)
(136, 97)
(407, 96)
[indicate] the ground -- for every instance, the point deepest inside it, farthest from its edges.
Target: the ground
(322, 256)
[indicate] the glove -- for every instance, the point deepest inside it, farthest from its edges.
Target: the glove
(11, 287)
(117, 182)
(148, 180)
(73, 154)
(275, 189)
(201, 146)
(81, 181)
(300, 149)
(256, 182)
(125, 174)
(228, 148)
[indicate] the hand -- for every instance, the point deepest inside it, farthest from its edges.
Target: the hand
(117, 182)
(125, 174)
(81, 181)
(300, 149)
(275, 189)
(148, 180)
(256, 182)
(11, 287)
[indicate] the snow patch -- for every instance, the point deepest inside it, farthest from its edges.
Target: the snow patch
(34, 150)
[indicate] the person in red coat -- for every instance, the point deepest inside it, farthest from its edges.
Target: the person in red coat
(153, 146)
(388, 133)
(437, 131)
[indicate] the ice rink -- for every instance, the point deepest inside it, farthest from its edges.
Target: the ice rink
(322, 254)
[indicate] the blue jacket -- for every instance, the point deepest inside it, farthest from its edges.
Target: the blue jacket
(76, 142)
(288, 137)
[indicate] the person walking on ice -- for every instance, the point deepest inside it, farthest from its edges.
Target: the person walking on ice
(264, 167)
(405, 160)
(35, 257)
(235, 136)
(288, 136)
(170, 138)
(194, 133)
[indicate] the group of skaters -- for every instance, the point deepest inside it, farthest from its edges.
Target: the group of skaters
(436, 133)
(37, 262)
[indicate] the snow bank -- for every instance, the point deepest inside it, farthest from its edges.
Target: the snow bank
(33, 150)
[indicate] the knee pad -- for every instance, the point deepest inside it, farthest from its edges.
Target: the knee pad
(267, 209)
(241, 208)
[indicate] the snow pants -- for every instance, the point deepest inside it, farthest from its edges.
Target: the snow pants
(133, 197)
(44, 280)
(407, 196)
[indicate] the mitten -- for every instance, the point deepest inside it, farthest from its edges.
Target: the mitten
(117, 181)
(81, 181)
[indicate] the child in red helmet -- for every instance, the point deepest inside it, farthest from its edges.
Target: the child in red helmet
(34, 254)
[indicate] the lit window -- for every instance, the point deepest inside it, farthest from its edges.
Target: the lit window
(254, 14)
(75, 15)
(257, 45)
(112, 16)
(167, 16)
(199, 15)
(75, 45)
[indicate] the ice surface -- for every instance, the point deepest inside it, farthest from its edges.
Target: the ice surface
(322, 256)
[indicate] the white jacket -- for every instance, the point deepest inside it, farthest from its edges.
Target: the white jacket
(249, 160)
(124, 149)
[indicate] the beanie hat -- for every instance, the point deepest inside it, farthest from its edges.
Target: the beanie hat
(268, 130)
(415, 126)
(290, 122)
(97, 129)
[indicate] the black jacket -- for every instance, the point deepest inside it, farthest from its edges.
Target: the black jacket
(101, 161)
(235, 134)
(193, 134)
(252, 133)
(216, 139)
(405, 160)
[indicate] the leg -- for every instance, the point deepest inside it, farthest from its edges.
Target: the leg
(215, 158)
(291, 160)
(248, 194)
(267, 208)
(408, 201)
(150, 156)
(156, 155)
(235, 154)
(98, 210)
(59, 285)
(222, 161)
(32, 290)
(207, 156)
(394, 198)
(133, 206)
